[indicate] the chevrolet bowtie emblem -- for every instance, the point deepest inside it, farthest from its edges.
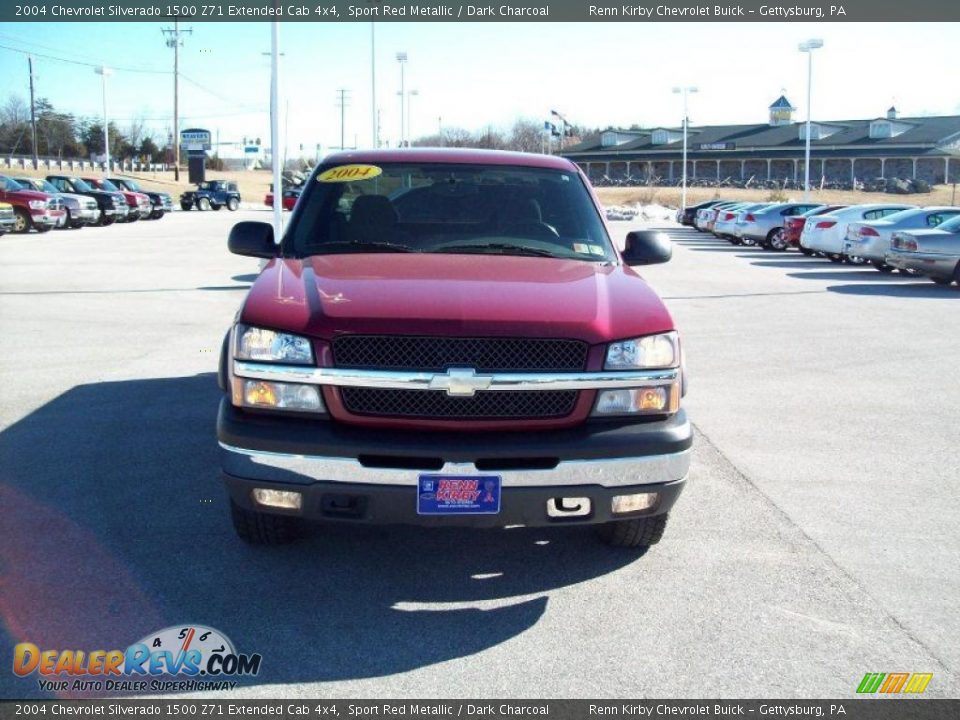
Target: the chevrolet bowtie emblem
(460, 382)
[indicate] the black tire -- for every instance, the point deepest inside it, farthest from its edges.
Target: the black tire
(107, 220)
(232, 204)
(156, 214)
(22, 222)
(635, 533)
(806, 251)
(776, 240)
(216, 206)
(76, 224)
(942, 280)
(67, 222)
(185, 206)
(882, 267)
(259, 528)
(43, 228)
(203, 204)
(834, 257)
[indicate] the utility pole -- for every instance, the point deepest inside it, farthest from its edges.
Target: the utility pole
(174, 41)
(33, 117)
(343, 101)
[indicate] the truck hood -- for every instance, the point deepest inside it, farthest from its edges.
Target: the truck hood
(27, 195)
(456, 295)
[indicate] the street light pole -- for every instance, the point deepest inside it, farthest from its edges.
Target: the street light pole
(275, 129)
(402, 59)
(686, 122)
(103, 71)
(373, 85)
(411, 94)
(808, 47)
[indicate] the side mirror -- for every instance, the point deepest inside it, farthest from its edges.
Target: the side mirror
(647, 247)
(254, 239)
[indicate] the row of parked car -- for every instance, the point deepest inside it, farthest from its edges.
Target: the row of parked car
(64, 201)
(889, 236)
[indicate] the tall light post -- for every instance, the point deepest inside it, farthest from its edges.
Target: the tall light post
(373, 86)
(275, 129)
(808, 46)
(685, 91)
(103, 71)
(410, 94)
(402, 59)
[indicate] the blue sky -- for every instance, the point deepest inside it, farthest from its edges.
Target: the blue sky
(474, 74)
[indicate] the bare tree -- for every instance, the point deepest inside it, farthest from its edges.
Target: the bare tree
(14, 111)
(526, 136)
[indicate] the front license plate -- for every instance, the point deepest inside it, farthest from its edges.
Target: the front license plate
(458, 495)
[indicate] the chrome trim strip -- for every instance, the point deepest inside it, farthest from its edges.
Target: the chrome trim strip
(304, 469)
(406, 380)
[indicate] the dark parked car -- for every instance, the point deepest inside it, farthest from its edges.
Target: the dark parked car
(687, 215)
(161, 201)
(113, 206)
(211, 195)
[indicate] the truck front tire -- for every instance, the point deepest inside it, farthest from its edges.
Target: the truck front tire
(635, 533)
(257, 528)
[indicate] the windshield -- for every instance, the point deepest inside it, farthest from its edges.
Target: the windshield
(445, 208)
(38, 184)
(130, 185)
(210, 185)
(107, 185)
(79, 185)
(952, 225)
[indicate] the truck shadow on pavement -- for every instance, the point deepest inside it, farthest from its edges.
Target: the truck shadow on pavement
(115, 524)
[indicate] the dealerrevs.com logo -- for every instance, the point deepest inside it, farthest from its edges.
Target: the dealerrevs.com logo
(175, 659)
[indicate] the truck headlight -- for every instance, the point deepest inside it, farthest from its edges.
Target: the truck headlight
(278, 396)
(253, 343)
(652, 352)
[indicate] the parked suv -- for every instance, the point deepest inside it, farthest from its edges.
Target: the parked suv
(450, 337)
(211, 195)
(31, 209)
(112, 205)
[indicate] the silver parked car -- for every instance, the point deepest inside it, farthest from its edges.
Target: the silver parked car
(765, 227)
(80, 209)
(870, 239)
(726, 217)
(934, 252)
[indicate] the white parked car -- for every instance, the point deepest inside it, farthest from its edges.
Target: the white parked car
(871, 240)
(827, 233)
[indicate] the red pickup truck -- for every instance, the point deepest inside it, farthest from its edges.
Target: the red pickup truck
(451, 337)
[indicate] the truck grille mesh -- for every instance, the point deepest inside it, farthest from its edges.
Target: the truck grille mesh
(395, 352)
(437, 404)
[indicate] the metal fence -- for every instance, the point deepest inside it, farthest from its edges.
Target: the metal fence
(23, 162)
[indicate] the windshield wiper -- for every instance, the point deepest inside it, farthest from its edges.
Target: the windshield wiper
(502, 247)
(365, 246)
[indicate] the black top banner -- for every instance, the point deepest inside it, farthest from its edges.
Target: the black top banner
(514, 11)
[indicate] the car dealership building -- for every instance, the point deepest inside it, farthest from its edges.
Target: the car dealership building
(926, 148)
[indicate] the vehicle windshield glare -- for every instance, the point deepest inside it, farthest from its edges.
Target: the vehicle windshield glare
(952, 225)
(130, 185)
(80, 185)
(38, 184)
(449, 208)
(107, 185)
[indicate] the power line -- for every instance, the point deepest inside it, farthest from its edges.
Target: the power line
(85, 64)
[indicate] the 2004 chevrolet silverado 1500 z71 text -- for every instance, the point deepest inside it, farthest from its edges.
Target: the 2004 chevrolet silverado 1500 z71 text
(449, 337)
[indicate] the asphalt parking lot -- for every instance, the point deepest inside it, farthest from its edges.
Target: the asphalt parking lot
(817, 539)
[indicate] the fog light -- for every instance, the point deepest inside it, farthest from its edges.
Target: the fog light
(278, 498)
(633, 503)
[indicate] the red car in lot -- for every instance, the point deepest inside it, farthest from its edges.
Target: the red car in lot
(451, 337)
(290, 197)
(32, 209)
(139, 205)
(793, 227)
